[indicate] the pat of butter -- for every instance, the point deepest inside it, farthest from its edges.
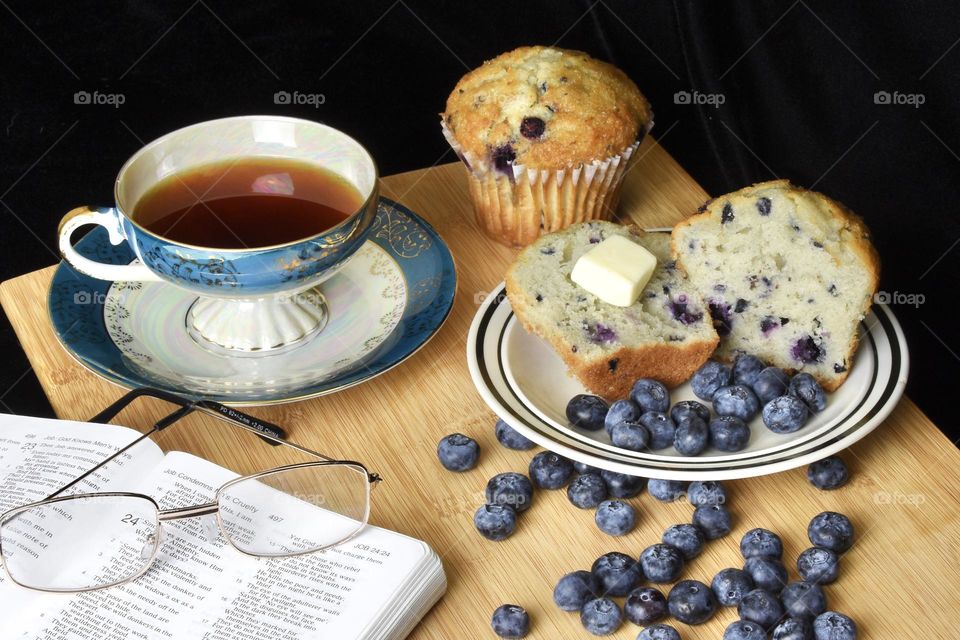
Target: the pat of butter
(616, 270)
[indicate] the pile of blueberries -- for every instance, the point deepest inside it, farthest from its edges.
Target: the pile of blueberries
(646, 421)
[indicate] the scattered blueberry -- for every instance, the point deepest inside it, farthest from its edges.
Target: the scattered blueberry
(706, 492)
(803, 600)
(785, 414)
(587, 491)
(650, 395)
(834, 626)
(691, 602)
(618, 573)
(805, 386)
(687, 538)
(666, 490)
(729, 433)
(829, 473)
(574, 589)
(661, 563)
(645, 605)
(632, 436)
(768, 574)
(818, 565)
(621, 485)
(587, 411)
(714, 520)
(692, 436)
(709, 377)
(458, 452)
(510, 621)
(770, 383)
(511, 489)
(615, 517)
(511, 438)
(661, 428)
(730, 585)
(659, 632)
(831, 530)
(495, 522)
(761, 607)
(621, 411)
(761, 543)
(736, 400)
(807, 350)
(601, 616)
(685, 407)
(583, 468)
(531, 127)
(746, 368)
(550, 471)
(792, 629)
(744, 630)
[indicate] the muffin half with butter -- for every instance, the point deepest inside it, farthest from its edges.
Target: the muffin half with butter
(547, 136)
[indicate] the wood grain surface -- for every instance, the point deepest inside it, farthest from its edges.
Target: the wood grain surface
(900, 580)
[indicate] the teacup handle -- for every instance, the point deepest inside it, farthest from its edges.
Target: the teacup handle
(82, 216)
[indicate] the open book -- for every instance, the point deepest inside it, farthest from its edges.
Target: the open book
(376, 585)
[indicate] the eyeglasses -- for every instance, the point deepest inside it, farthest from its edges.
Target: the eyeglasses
(287, 511)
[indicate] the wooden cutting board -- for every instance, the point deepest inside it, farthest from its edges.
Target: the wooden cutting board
(899, 580)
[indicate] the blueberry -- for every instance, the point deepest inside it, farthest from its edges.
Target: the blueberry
(691, 602)
(736, 400)
(744, 630)
(763, 206)
(768, 574)
(685, 407)
(615, 517)
(803, 600)
(510, 621)
(807, 350)
(682, 312)
(770, 383)
(574, 589)
(661, 428)
(761, 543)
(746, 368)
(706, 492)
(709, 377)
(829, 473)
(503, 157)
(495, 522)
(621, 411)
(644, 606)
(583, 468)
(805, 386)
(692, 436)
(621, 485)
(722, 319)
(601, 616)
(730, 585)
(729, 433)
(600, 333)
(632, 436)
(659, 632)
(532, 127)
(650, 395)
(618, 573)
(818, 565)
(587, 411)
(792, 629)
(587, 491)
(687, 539)
(661, 563)
(785, 414)
(714, 520)
(550, 471)
(511, 438)
(458, 452)
(666, 490)
(831, 530)
(834, 626)
(761, 607)
(726, 215)
(512, 489)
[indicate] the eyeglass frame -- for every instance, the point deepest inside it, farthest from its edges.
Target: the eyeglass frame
(271, 433)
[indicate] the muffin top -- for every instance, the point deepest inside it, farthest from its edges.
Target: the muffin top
(545, 108)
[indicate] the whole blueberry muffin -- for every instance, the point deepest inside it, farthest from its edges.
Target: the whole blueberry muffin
(788, 274)
(546, 135)
(665, 335)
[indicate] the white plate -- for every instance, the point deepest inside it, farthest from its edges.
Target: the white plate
(526, 383)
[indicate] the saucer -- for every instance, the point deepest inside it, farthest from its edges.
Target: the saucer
(385, 304)
(526, 383)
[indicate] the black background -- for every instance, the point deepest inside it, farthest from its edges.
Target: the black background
(798, 81)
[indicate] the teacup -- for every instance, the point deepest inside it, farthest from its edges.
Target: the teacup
(252, 300)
